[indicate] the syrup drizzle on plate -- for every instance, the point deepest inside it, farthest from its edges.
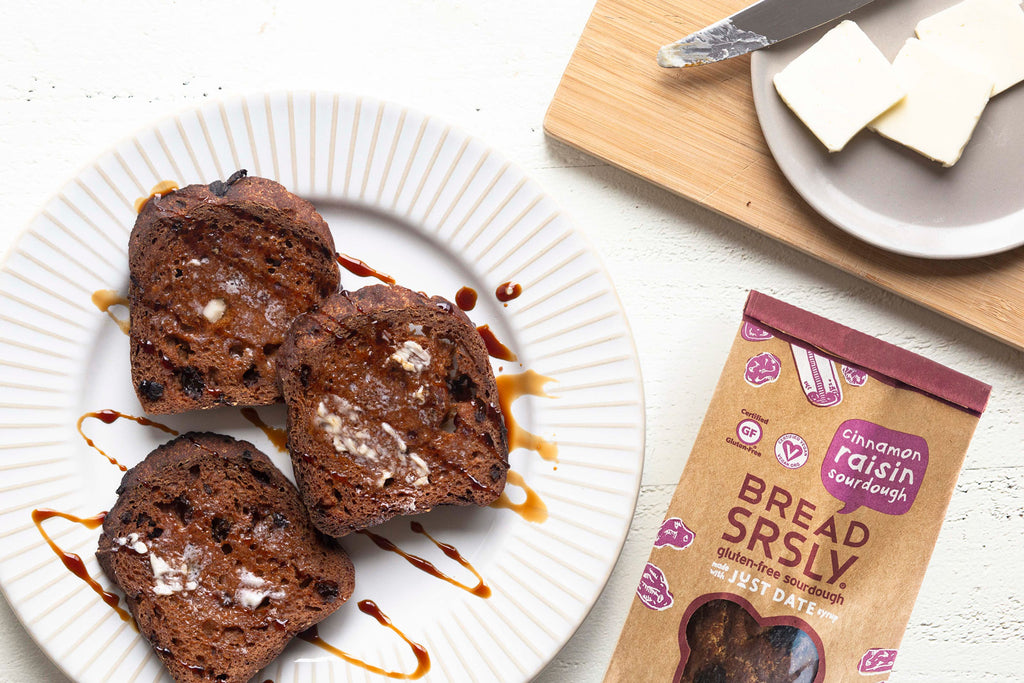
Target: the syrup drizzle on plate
(108, 416)
(507, 291)
(74, 562)
(162, 188)
(495, 349)
(369, 607)
(277, 435)
(481, 589)
(465, 298)
(511, 387)
(532, 509)
(105, 299)
(360, 268)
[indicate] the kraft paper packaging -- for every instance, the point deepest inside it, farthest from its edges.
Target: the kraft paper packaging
(797, 539)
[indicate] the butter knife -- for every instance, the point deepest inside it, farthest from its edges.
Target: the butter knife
(762, 24)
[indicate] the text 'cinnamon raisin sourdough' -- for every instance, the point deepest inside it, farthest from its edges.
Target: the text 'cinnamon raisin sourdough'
(218, 272)
(217, 558)
(392, 409)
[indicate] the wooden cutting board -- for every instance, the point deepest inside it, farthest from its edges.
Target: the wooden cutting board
(694, 132)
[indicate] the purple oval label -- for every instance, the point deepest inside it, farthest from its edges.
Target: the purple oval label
(874, 466)
(653, 589)
(877, 661)
(855, 377)
(752, 332)
(674, 534)
(763, 368)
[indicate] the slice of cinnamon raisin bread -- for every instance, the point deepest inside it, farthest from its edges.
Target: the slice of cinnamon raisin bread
(392, 409)
(217, 273)
(217, 558)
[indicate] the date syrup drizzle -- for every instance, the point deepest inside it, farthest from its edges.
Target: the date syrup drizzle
(465, 298)
(507, 291)
(369, 607)
(162, 188)
(532, 509)
(105, 299)
(481, 589)
(495, 349)
(277, 435)
(357, 267)
(511, 387)
(74, 562)
(108, 416)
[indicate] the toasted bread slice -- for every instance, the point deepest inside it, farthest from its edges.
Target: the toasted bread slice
(392, 409)
(217, 558)
(217, 273)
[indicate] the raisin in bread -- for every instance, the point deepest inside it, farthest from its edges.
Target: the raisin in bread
(392, 409)
(217, 558)
(217, 273)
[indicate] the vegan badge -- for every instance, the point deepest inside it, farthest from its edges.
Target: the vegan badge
(791, 451)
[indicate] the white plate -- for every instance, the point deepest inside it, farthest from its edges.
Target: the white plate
(418, 200)
(884, 193)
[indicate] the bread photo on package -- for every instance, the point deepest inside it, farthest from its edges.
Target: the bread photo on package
(392, 409)
(217, 558)
(217, 274)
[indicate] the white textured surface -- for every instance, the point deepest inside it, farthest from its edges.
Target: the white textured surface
(79, 76)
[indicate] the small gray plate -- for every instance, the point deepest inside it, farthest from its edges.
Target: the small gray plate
(884, 193)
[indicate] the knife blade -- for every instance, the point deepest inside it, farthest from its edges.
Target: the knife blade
(762, 24)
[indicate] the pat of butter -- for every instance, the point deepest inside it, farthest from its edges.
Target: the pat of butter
(943, 103)
(214, 310)
(839, 85)
(983, 35)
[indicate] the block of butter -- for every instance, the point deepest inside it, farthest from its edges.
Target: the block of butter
(943, 104)
(839, 85)
(983, 35)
